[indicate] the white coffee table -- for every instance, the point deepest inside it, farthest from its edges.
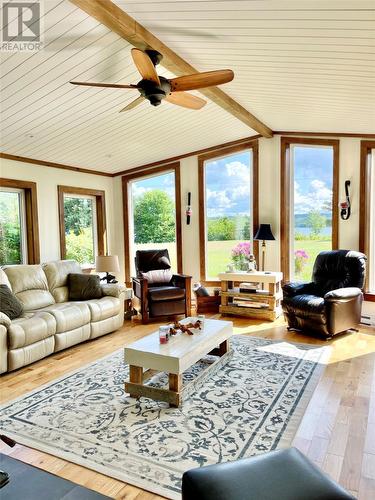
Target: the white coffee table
(147, 355)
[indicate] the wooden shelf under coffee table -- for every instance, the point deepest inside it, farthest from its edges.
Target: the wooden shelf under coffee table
(147, 356)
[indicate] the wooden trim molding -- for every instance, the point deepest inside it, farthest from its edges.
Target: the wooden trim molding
(101, 224)
(285, 194)
(118, 21)
(43, 163)
(325, 134)
(146, 166)
(364, 205)
(253, 145)
(126, 179)
(31, 209)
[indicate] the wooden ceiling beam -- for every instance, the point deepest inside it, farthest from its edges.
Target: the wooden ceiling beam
(125, 26)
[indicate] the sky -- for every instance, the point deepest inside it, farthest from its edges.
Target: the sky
(313, 177)
(228, 182)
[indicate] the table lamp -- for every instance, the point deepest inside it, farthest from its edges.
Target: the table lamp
(107, 264)
(264, 234)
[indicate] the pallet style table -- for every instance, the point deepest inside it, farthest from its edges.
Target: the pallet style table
(147, 356)
(270, 297)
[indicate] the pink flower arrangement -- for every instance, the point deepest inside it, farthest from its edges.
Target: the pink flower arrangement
(300, 259)
(240, 255)
(241, 249)
(301, 254)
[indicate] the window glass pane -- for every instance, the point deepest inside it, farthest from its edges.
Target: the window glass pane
(80, 228)
(12, 248)
(312, 212)
(371, 256)
(228, 198)
(153, 217)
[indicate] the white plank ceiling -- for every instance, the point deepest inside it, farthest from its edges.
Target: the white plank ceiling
(306, 65)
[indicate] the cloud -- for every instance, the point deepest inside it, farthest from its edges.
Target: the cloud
(316, 196)
(238, 171)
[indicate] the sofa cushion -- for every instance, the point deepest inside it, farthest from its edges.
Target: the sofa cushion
(9, 304)
(57, 276)
(161, 293)
(84, 286)
(69, 315)
(104, 308)
(29, 284)
(31, 327)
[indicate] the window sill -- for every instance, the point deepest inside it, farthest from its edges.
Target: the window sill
(369, 296)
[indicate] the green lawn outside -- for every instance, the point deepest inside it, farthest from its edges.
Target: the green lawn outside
(219, 255)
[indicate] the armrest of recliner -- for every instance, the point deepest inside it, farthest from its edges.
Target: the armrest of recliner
(140, 287)
(292, 289)
(181, 280)
(342, 294)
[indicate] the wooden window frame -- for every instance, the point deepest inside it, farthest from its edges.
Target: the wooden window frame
(101, 224)
(31, 213)
(126, 179)
(218, 153)
(285, 194)
(364, 206)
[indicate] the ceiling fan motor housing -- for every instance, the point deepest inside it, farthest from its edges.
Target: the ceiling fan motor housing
(153, 92)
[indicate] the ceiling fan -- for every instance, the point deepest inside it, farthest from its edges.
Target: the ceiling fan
(156, 88)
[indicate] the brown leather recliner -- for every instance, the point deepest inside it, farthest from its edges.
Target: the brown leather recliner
(331, 303)
(160, 299)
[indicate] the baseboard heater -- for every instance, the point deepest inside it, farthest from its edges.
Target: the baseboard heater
(368, 319)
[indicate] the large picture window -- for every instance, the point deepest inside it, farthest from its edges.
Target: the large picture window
(13, 248)
(152, 214)
(309, 181)
(367, 213)
(19, 235)
(227, 181)
(82, 224)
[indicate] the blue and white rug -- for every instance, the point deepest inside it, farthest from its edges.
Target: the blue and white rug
(253, 404)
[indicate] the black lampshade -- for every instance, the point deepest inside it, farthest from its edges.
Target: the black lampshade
(264, 233)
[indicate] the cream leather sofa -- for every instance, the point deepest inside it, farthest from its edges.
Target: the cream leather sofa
(50, 322)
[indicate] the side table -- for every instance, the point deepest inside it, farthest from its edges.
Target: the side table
(266, 303)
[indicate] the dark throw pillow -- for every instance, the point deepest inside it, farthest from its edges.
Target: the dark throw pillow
(84, 286)
(9, 304)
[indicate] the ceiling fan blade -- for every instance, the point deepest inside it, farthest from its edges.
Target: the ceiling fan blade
(186, 100)
(133, 104)
(145, 66)
(110, 85)
(201, 80)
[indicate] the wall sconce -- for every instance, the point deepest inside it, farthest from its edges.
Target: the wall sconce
(345, 205)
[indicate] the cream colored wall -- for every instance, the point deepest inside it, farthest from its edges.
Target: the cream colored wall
(47, 180)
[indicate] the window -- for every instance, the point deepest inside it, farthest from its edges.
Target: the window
(367, 213)
(82, 224)
(308, 203)
(13, 249)
(19, 235)
(152, 214)
(228, 197)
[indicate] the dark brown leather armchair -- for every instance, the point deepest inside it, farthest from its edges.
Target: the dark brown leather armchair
(332, 302)
(160, 299)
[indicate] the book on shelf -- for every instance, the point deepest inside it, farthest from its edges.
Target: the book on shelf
(249, 303)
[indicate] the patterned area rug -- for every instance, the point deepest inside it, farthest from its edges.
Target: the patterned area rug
(253, 404)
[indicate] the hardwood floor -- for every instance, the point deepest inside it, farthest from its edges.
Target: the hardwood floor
(337, 431)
